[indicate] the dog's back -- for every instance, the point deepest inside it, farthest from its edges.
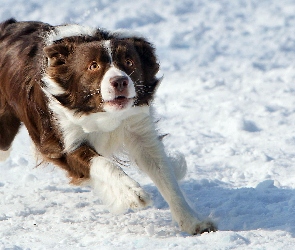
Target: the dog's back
(21, 97)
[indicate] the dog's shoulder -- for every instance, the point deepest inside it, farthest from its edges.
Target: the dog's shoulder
(12, 29)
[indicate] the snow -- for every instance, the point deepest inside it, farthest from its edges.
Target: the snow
(227, 103)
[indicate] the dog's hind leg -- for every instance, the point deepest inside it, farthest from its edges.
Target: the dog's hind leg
(9, 126)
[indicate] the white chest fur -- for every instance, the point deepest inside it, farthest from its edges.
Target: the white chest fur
(97, 128)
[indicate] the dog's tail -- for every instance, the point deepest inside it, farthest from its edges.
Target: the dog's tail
(178, 164)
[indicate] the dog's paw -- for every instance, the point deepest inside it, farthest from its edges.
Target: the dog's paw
(127, 195)
(195, 226)
(137, 198)
(116, 189)
(131, 195)
(204, 227)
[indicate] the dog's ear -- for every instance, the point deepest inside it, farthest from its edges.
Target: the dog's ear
(150, 68)
(57, 54)
(148, 58)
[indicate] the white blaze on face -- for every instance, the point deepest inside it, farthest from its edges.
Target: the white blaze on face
(107, 46)
(108, 92)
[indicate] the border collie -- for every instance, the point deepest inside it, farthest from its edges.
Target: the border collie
(83, 95)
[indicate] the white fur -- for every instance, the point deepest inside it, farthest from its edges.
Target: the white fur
(116, 189)
(108, 91)
(76, 128)
(64, 31)
(148, 153)
(51, 86)
(178, 164)
(107, 45)
(120, 192)
(4, 155)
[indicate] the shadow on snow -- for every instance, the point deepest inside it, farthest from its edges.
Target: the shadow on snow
(241, 209)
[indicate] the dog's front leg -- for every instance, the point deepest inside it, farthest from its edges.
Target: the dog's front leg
(148, 153)
(115, 188)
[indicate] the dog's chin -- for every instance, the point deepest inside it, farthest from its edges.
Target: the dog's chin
(118, 104)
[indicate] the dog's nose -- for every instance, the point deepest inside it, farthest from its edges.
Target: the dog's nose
(119, 82)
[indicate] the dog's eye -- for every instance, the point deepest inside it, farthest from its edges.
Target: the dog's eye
(93, 66)
(129, 62)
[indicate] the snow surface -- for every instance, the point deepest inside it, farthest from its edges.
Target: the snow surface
(227, 101)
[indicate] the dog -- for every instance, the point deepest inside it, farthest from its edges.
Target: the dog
(84, 94)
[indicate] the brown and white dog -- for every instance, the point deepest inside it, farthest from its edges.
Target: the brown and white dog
(84, 94)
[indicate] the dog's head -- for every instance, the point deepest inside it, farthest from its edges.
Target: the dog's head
(95, 75)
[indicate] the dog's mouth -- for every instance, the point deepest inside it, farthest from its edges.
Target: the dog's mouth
(120, 102)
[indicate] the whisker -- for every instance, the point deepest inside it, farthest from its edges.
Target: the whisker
(132, 72)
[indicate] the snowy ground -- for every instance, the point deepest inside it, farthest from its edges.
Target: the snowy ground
(228, 103)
